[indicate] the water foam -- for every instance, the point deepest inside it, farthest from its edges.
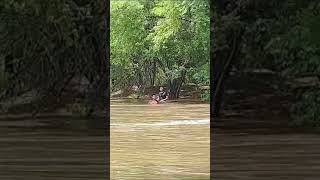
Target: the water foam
(168, 123)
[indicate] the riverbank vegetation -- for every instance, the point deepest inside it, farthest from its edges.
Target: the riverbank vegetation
(157, 43)
(54, 54)
(275, 40)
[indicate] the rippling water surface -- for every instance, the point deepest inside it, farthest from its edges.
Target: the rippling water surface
(169, 141)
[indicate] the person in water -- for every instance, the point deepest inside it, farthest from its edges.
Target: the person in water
(163, 95)
(153, 99)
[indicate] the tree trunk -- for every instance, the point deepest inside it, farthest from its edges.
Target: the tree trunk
(222, 58)
(175, 86)
(220, 73)
(154, 72)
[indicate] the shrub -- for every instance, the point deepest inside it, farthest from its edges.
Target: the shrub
(205, 96)
(306, 112)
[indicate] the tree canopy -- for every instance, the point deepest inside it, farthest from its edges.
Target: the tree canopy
(44, 44)
(281, 36)
(159, 42)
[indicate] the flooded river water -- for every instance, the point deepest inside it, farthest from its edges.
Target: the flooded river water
(41, 153)
(163, 143)
(169, 141)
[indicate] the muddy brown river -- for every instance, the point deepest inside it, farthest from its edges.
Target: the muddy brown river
(162, 143)
(169, 141)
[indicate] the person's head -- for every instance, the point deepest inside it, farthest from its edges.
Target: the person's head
(154, 96)
(161, 88)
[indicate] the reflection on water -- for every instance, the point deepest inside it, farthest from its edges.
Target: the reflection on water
(168, 141)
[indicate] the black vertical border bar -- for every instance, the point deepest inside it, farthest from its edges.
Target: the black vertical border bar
(107, 108)
(211, 55)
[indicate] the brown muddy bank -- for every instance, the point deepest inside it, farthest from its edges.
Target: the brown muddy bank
(189, 91)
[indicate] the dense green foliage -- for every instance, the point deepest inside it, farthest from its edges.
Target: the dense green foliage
(44, 44)
(306, 110)
(298, 55)
(282, 36)
(159, 42)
